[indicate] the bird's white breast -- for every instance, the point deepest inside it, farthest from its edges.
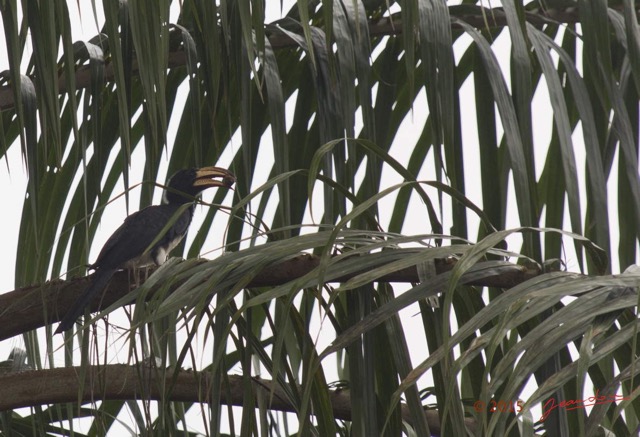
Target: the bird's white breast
(156, 257)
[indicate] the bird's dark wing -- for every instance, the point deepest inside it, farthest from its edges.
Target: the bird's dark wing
(125, 248)
(138, 231)
(119, 234)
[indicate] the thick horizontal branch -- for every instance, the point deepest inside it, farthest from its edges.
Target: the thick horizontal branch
(122, 382)
(476, 16)
(33, 307)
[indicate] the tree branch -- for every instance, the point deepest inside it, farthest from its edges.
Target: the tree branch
(32, 307)
(122, 382)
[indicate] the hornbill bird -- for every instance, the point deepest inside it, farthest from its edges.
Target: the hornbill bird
(128, 247)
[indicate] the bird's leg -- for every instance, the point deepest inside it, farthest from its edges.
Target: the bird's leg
(147, 272)
(138, 276)
(134, 278)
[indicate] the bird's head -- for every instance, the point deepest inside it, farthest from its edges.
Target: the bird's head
(187, 184)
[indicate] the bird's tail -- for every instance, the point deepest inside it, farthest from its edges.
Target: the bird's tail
(98, 282)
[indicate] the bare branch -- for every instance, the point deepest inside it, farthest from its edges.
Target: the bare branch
(122, 382)
(32, 307)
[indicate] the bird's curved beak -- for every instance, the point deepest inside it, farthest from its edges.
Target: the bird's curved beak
(205, 177)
